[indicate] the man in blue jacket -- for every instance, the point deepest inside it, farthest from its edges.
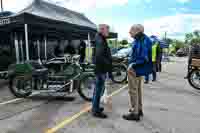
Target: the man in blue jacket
(140, 64)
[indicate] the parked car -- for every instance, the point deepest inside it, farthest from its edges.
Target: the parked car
(181, 53)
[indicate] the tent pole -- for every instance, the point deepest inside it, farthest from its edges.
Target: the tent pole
(38, 46)
(26, 40)
(89, 46)
(45, 47)
(1, 5)
(16, 48)
(21, 48)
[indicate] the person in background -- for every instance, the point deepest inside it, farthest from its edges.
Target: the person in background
(155, 60)
(82, 50)
(193, 53)
(102, 61)
(140, 64)
(69, 49)
(159, 57)
(57, 51)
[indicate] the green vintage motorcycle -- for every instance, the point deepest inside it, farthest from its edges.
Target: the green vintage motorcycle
(59, 75)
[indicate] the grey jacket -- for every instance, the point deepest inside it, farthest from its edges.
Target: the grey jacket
(102, 55)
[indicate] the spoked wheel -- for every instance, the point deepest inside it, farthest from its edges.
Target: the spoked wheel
(87, 86)
(194, 79)
(21, 87)
(119, 73)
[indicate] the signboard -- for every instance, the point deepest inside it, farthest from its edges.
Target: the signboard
(5, 21)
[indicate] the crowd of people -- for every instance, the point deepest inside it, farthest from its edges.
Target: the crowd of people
(145, 60)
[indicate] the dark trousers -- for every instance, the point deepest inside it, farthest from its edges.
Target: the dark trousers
(99, 89)
(159, 67)
(110, 76)
(153, 72)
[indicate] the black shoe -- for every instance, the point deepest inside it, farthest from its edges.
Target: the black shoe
(154, 80)
(99, 115)
(146, 82)
(131, 117)
(101, 109)
(141, 113)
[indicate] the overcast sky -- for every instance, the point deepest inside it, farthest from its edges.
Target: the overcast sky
(176, 17)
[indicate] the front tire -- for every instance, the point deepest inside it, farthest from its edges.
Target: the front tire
(194, 79)
(87, 86)
(119, 73)
(20, 86)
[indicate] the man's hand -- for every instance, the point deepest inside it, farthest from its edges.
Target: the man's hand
(131, 71)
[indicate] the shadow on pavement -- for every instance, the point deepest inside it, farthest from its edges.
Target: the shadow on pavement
(3, 83)
(52, 98)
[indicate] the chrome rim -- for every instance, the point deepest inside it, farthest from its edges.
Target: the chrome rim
(195, 78)
(119, 74)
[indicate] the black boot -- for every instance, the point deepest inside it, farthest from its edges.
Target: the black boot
(154, 80)
(100, 115)
(141, 113)
(101, 109)
(132, 117)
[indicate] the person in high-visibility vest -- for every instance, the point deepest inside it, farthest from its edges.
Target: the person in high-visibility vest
(155, 50)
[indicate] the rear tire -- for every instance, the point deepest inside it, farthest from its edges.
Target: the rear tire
(194, 75)
(87, 86)
(20, 87)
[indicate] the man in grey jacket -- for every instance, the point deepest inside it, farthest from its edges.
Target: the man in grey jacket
(103, 65)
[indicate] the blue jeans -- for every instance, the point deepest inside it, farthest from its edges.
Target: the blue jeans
(98, 92)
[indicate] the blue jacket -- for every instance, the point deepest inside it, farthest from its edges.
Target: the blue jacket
(141, 56)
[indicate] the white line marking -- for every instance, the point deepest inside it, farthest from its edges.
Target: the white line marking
(11, 101)
(17, 99)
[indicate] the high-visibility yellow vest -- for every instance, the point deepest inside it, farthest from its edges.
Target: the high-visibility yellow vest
(154, 52)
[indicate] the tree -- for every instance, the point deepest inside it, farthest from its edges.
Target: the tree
(124, 42)
(196, 33)
(188, 37)
(168, 40)
(195, 41)
(194, 37)
(178, 44)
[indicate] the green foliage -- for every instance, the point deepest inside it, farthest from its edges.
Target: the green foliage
(195, 41)
(175, 45)
(124, 42)
(196, 33)
(169, 40)
(192, 38)
(188, 37)
(178, 44)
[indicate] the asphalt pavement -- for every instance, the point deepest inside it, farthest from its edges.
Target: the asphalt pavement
(170, 106)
